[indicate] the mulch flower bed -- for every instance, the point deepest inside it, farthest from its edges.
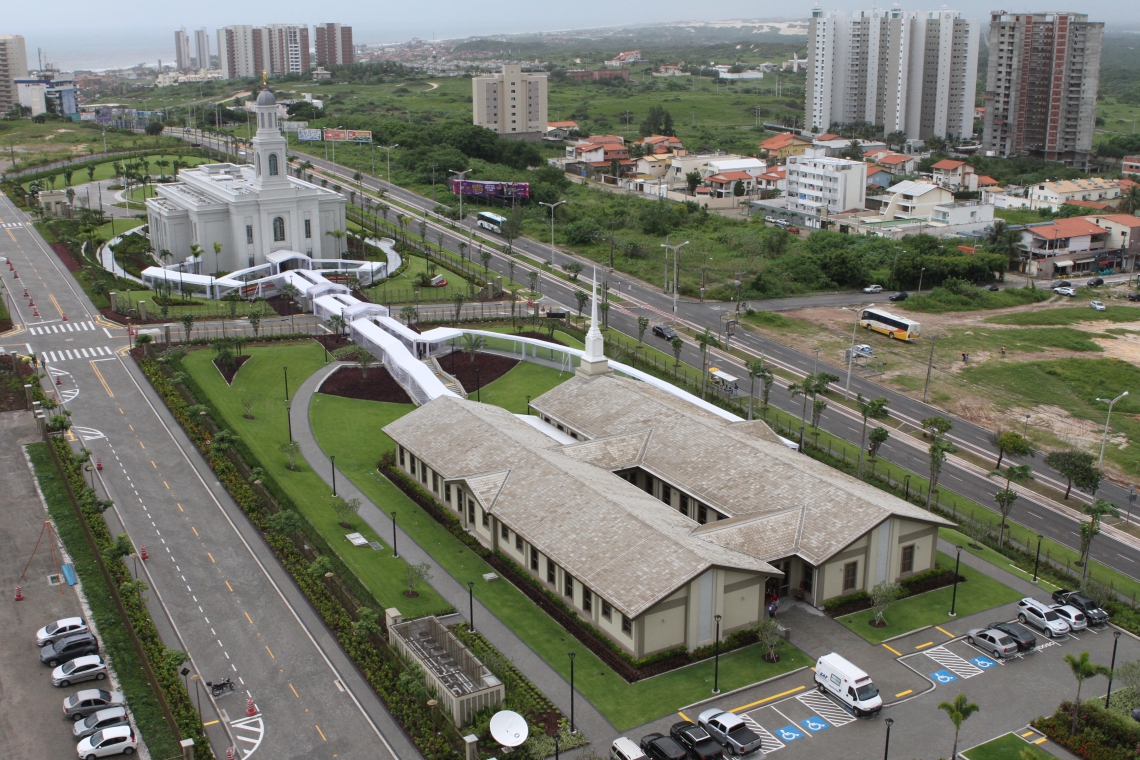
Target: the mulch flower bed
(228, 373)
(350, 382)
(66, 257)
(282, 305)
(538, 336)
(12, 395)
(5, 324)
(332, 342)
(491, 367)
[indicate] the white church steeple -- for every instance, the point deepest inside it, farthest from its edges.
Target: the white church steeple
(270, 167)
(594, 362)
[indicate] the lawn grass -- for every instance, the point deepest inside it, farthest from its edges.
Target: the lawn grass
(106, 170)
(1008, 747)
(977, 594)
(201, 308)
(112, 631)
(526, 379)
(940, 301)
(262, 377)
(1033, 339)
(340, 424)
(120, 226)
(1068, 315)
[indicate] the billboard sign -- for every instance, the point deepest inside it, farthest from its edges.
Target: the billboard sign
(336, 135)
(358, 135)
(491, 189)
(309, 135)
(293, 126)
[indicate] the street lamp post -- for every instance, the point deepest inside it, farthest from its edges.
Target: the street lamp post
(395, 551)
(462, 176)
(289, 420)
(557, 751)
(478, 386)
(528, 405)
(471, 604)
(1104, 437)
(552, 206)
(573, 729)
(1037, 559)
(906, 492)
(332, 464)
(887, 746)
(954, 598)
(1111, 668)
(389, 170)
(921, 272)
(1025, 428)
(675, 250)
(286, 385)
(716, 658)
(850, 359)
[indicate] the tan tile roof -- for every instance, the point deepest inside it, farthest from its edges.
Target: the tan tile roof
(948, 164)
(608, 534)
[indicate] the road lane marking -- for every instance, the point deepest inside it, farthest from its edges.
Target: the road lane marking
(1042, 740)
(768, 699)
(152, 464)
(180, 509)
(247, 617)
(211, 723)
(166, 484)
(57, 308)
(267, 649)
(319, 731)
(686, 717)
(211, 556)
(1028, 733)
(892, 649)
(295, 694)
(904, 693)
(924, 646)
(140, 442)
(231, 588)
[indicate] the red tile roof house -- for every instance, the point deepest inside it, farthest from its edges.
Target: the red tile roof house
(660, 143)
(1094, 205)
(897, 163)
(775, 178)
(1063, 247)
(954, 175)
(724, 185)
(1123, 236)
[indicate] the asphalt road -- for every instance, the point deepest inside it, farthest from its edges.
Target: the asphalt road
(959, 477)
(216, 590)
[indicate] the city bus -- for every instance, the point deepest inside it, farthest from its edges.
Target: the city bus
(889, 324)
(489, 221)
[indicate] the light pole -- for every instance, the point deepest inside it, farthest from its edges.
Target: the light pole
(551, 206)
(573, 730)
(850, 358)
(954, 598)
(395, 552)
(921, 272)
(462, 176)
(1104, 437)
(557, 752)
(1037, 559)
(1111, 668)
(887, 746)
(389, 170)
(675, 249)
(471, 604)
(906, 493)
(286, 385)
(716, 658)
(289, 420)
(1025, 428)
(332, 464)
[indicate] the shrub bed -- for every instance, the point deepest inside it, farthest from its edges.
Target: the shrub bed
(1100, 735)
(935, 578)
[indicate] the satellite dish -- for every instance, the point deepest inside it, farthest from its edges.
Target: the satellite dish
(508, 728)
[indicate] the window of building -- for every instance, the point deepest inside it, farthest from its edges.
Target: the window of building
(249, 234)
(907, 563)
(702, 514)
(278, 229)
(626, 626)
(272, 164)
(587, 600)
(504, 531)
(518, 542)
(423, 471)
(447, 493)
(470, 510)
(607, 610)
(568, 585)
(666, 494)
(308, 228)
(435, 482)
(412, 464)
(549, 570)
(486, 519)
(850, 576)
(684, 505)
(648, 483)
(401, 448)
(534, 559)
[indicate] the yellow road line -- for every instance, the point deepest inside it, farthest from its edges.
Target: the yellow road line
(768, 699)
(686, 717)
(180, 509)
(295, 694)
(904, 693)
(152, 464)
(211, 723)
(247, 617)
(132, 427)
(56, 303)
(231, 588)
(1028, 733)
(267, 649)
(211, 556)
(166, 484)
(11, 236)
(1042, 740)
(102, 382)
(892, 649)
(140, 442)
(194, 529)
(319, 731)
(924, 646)
(944, 631)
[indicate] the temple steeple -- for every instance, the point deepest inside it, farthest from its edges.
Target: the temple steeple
(269, 146)
(594, 362)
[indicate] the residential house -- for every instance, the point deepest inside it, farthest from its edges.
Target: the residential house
(776, 178)
(1093, 206)
(724, 184)
(708, 164)
(752, 166)
(1123, 235)
(944, 220)
(625, 59)
(914, 200)
(655, 167)
(670, 71)
(660, 144)
(877, 176)
(955, 175)
(985, 182)
(1063, 247)
(1052, 195)
(785, 144)
(560, 130)
(897, 164)
(1130, 166)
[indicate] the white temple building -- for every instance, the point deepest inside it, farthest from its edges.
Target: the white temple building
(251, 211)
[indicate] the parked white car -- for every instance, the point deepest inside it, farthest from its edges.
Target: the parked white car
(59, 629)
(873, 289)
(110, 741)
(1062, 291)
(1098, 305)
(86, 668)
(864, 349)
(1071, 615)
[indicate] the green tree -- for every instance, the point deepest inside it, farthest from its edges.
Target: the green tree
(939, 448)
(366, 624)
(1012, 443)
(409, 314)
(883, 595)
(1077, 467)
(582, 298)
(874, 409)
(756, 369)
(1083, 669)
(320, 567)
(1006, 497)
(458, 300)
(335, 323)
(188, 325)
(414, 575)
(678, 345)
(1004, 240)
(1130, 200)
(878, 437)
(705, 340)
(364, 360)
(959, 711)
(1096, 512)
(642, 325)
(472, 344)
(254, 317)
(291, 450)
(286, 521)
(693, 181)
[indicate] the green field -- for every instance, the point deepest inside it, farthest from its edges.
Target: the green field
(940, 300)
(1008, 747)
(977, 594)
(1069, 315)
(1023, 339)
(106, 169)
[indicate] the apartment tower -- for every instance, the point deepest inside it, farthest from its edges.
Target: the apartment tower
(202, 48)
(288, 48)
(13, 66)
(241, 51)
(1041, 85)
(334, 44)
(512, 102)
(182, 50)
(908, 72)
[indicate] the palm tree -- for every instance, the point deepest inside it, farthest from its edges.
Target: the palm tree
(335, 323)
(1130, 200)
(1096, 511)
(1082, 669)
(755, 369)
(364, 360)
(409, 314)
(458, 300)
(959, 711)
(704, 339)
(1003, 240)
(472, 343)
(217, 253)
(337, 235)
(874, 409)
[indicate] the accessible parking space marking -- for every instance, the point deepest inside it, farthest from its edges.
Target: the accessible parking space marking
(952, 662)
(825, 707)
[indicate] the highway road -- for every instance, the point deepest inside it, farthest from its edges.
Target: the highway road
(216, 590)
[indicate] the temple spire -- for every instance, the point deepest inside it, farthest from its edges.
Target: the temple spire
(594, 362)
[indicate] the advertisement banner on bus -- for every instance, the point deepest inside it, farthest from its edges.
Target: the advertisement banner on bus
(336, 135)
(491, 189)
(309, 135)
(358, 135)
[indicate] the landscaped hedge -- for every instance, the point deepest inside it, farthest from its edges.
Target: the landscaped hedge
(1101, 734)
(934, 578)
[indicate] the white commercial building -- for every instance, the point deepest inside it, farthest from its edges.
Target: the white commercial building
(251, 211)
(13, 66)
(512, 102)
(202, 48)
(822, 185)
(901, 71)
(1053, 195)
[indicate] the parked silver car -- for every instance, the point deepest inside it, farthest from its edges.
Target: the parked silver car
(1071, 615)
(60, 628)
(87, 668)
(1042, 617)
(108, 718)
(88, 701)
(729, 730)
(991, 640)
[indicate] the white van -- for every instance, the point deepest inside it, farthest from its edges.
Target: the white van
(625, 749)
(852, 686)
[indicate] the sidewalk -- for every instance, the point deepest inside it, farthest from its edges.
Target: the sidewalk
(596, 728)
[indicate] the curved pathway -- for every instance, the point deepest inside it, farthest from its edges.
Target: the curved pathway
(586, 717)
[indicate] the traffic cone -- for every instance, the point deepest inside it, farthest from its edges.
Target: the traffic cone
(58, 381)
(35, 312)
(10, 267)
(250, 709)
(230, 753)
(31, 302)
(64, 317)
(25, 292)
(98, 463)
(20, 598)
(142, 553)
(15, 275)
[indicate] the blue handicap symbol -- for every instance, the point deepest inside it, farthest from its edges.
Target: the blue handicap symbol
(943, 676)
(985, 663)
(789, 734)
(815, 724)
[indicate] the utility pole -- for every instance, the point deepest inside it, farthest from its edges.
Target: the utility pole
(929, 368)
(676, 249)
(851, 359)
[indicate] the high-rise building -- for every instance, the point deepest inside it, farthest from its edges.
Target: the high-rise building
(13, 66)
(510, 102)
(202, 48)
(288, 48)
(239, 51)
(1044, 70)
(182, 50)
(334, 44)
(901, 71)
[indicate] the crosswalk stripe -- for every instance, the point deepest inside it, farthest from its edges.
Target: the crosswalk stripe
(85, 354)
(67, 351)
(51, 354)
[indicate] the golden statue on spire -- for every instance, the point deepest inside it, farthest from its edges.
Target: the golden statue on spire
(264, 78)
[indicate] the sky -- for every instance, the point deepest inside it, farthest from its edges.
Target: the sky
(107, 34)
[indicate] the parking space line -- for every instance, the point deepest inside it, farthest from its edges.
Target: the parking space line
(767, 699)
(295, 694)
(1028, 733)
(683, 716)
(319, 731)
(767, 739)
(904, 693)
(924, 646)
(1042, 740)
(211, 723)
(945, 631)
(889, 648)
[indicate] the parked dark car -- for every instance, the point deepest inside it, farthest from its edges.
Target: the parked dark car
(1134, 296)
(696, 740)
(993, 288)
(660, 747)
(1019, 633)
(1092, 610)
(1095, 282)
(902, 295)
(68, 648)
(1062, 284)
(664, 331)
